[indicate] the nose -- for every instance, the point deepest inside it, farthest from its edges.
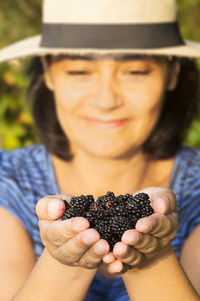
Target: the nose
(107, 96)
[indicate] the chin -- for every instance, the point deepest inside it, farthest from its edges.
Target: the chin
(113, 153)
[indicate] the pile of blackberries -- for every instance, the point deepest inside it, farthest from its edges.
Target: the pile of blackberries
(110, 215)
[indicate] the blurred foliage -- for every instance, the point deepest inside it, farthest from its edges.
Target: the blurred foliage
(16, 126)
(21, 19)
(18, 20)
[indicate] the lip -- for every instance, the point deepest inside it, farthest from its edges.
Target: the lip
(106, 124)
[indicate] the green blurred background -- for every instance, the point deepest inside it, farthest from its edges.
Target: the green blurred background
(21, 19)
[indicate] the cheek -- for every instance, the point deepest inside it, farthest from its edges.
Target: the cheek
(71, 96)
(71, 103)
(67, 99)
(146, 100)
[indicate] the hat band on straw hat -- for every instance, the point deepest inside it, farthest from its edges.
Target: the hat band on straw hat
(147, 27)
(111, 36)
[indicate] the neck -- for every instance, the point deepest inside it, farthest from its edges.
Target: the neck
(86, 174)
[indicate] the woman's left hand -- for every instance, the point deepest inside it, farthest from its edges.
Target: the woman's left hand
(151, 234)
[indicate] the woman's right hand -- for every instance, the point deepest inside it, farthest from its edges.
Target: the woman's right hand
(70, 241)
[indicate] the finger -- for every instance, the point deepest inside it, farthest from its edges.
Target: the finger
(94, 255)
(164, 241)
(108, 258)
(131, 237)
(163, 200)
(72, 250)
(127, 254)
(144, 243)
(51, 207)
(115, 267)
(156, 224)
(58, 232)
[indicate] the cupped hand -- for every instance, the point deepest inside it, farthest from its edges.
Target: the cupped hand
(151, 234)
(70, 241)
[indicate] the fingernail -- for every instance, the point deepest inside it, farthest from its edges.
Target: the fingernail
(130, 239)
(88, 240)
(99, 249)
(53, 208)
(78, 224)
(117, 266)
(108, 258)
(144, 226)
(161, 204)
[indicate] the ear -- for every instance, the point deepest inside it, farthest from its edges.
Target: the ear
(173, 75)
(47, 74)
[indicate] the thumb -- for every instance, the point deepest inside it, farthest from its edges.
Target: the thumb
(163, 200)
(50, 208)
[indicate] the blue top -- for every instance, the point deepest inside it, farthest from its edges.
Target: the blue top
(27, 174)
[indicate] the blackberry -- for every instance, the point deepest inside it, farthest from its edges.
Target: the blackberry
(106, 201)
(110, 215)
(69, 213)
(119, 226)
(81, 202)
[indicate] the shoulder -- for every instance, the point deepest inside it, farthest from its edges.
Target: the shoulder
(186, 185)
(24, 170)
(190, 156)
(189, 174)
(23, 163)
(19, 165)
(187, 171)
(21, 156)
(23, 178)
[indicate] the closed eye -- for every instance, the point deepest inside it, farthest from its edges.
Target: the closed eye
(78, 72)
(135, 72)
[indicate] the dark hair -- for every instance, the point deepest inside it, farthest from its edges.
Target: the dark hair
(179, 109)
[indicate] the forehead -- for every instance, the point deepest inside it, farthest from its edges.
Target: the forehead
(117, 57)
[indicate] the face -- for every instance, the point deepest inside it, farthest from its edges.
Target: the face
(107, 106)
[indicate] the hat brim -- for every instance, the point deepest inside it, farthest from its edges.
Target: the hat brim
(31, 47)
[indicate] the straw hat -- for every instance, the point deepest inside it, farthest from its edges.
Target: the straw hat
(106, 26)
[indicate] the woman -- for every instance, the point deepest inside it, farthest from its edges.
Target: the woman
(102, 106)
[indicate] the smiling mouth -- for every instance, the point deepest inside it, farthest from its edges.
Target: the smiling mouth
(108, 124)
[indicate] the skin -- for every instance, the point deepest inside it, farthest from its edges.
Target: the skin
(88, 91)
(108, 90)
(73, 244)
(114, 102)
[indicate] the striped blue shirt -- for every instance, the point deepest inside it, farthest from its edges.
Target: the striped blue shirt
(27, 174)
